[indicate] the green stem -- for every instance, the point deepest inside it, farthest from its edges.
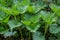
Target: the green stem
(21, 33)
(46, 28)
(29, 36)
(15, 17)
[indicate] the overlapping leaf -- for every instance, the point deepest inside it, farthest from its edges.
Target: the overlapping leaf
(30, 22)
(31, 18)
(55, 8)
(48, 17)
(35, 8)
(19, 9)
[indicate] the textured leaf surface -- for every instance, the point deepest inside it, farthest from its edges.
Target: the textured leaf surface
(2, 15)
(54, 28)
(38, 36)
(13, 24)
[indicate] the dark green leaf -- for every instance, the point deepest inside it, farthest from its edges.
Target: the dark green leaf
(38, 36)
(54, 28)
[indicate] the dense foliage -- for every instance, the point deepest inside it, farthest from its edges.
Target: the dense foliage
(39, 19)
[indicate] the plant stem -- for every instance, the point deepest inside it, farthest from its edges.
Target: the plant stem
(29, 36)
(21, 33)
(15, 18)
(46, 28)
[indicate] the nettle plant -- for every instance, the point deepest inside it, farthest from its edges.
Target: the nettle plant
(35, 17)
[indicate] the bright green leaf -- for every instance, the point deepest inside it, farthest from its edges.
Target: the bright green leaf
(48, 17)
(33, 27)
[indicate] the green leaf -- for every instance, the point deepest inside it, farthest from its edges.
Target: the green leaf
(48, 17)
(55, 8)
(58, 36)
(58, 21)
(22, 9)
(52, 38)
(19, 9)
(15, 1)
(33, 27)
(35, 18)
(33, 9)
(29, 18)
(13, 24)
(58, 2)
(31, 22)
(38, 36)
(2, 2)
(54, 28)
(6, 20)
(2, 15)
(3, 30)
(26, 22)
(6, 10)
(8, 34)
(25, 2)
